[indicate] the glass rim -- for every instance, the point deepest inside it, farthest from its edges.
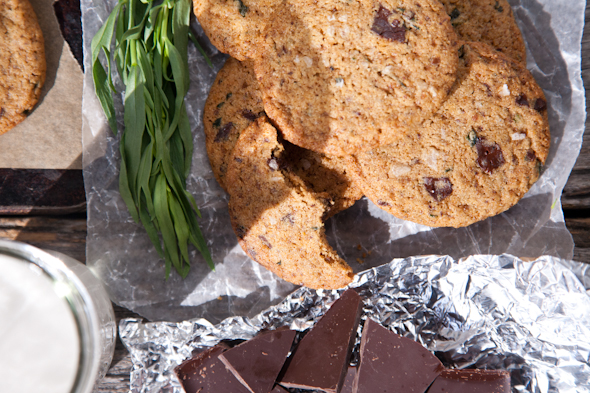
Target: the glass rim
(80, 303)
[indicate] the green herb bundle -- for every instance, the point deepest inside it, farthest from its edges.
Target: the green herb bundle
(150, 53)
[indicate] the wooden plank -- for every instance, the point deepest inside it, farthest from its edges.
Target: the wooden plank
(581, 254)
(580, 230)
(69, 17)
(117, 378)
(66, 235)
(576, 194)
(41, 191)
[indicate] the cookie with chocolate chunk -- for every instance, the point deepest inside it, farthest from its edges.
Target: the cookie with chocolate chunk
(278, 220)
(344, 77)
(234, 102)
(488, 21)
(22, 62)
(235, 27)
(475, 158)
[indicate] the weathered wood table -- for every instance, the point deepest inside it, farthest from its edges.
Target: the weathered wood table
(67, 233)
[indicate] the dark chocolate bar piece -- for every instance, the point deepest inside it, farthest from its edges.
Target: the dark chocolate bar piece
(256, 363)
(322, 357)
(472, 381)
(279, 389)
(349, 380)
(392, 363)
(205, 373)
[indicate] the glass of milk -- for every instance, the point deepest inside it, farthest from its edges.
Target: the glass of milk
(57, 326)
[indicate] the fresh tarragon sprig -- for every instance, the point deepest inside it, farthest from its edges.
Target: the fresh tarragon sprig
(150, 53)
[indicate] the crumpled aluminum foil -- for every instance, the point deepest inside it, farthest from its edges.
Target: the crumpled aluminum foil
(495, 312)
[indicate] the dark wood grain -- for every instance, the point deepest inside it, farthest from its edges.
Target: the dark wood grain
(66, 234)
(576, 194)
(41, 191)
(579, 227)
(69, 18)
(117, 379)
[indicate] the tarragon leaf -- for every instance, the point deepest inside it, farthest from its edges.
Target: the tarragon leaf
(150, 54)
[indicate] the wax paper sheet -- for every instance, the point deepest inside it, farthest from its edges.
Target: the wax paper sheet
(120, 252)
(50, 137)
(493, 312)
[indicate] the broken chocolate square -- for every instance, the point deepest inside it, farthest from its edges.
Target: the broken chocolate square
(279, 389)
(472, 381)
(205, 373)
(322, 357)
(392, 363)
(349, 380)
(256, 363)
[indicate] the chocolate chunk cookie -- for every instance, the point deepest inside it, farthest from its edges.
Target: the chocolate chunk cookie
(475, 158)
(234, 102)
(344, 77)
(489, 21)
(234, 26)
(22, 62)
(278, 220)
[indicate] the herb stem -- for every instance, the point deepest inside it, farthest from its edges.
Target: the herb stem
(156, 143)
(133, 53)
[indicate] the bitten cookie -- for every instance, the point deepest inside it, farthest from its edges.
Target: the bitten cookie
(234, 102)
(324, 174)
(475, 158)
(488, 21)
(345, 77)
(278, 221)
(22, 62)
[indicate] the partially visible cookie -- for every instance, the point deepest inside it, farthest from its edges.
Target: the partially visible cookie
(488, 21)
(278, 221)
(234, 102)
(475, 158)
(234, 26)
(22, 62)
(344, 77)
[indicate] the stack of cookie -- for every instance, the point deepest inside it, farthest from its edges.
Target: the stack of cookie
(425, 107)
